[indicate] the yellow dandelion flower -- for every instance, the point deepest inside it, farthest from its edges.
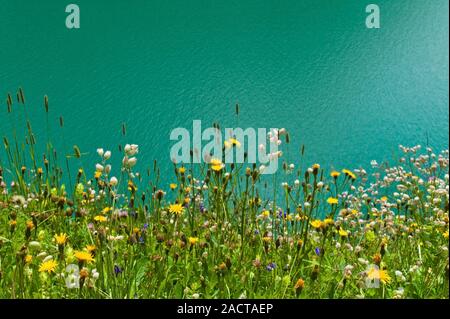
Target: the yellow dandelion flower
(316, 166)
(227, 144)
(13, 223)
(267, 239)
(193, 240)
(335, 174)
(28, 259)
(84, 256)
(61, 239)
(100, 218)
(182, 170)
(379, 274)
(173, 186)
(97, 174)
(48, 266)
(316, 223)
(300, 284)
(349, 173)
(30, 224)
(332, 201)
(176, 209)
(328, 221)
(216, 164)
(91, 248)
(445, 234)
(265, 214)
(343, 233)
(235, 142)
(384, 199)
(106, 210)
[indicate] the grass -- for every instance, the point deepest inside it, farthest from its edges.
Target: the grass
(219, 231)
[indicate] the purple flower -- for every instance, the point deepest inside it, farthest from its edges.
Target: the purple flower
(256, 232)
(145, 226)
(90, 226)
(317, 250)
(117, 270)
(271, 266)
(202, 208)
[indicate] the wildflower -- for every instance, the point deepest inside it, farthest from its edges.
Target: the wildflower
(377, 258)
(173, 186)
(113, 181)
(61, 239)
(445, 234)
(97, 174)
(265, 214)
(378, 274)
(328, 221)
(349, 173)
(100, 218)
(299, 285)
(335, 174)
(315, 169)
(232, 142)
(132, 149)
(271, 266)
(216, 164)
(343, 233)
(106, 210)
(30, 225)
(193, 240)
(256, 263)
(117, 270)
(182, 170)
(384, 199)
(107, 155)
(84, 256)
(316, 223)
(48, 266)
(91, 248)
(332, 201)
(28, 259)
(176, 209)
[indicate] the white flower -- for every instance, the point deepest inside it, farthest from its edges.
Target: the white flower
(132, 161)
(107, 155)
(113, 181)
(132, 149)
(99, 167)
(100, 152)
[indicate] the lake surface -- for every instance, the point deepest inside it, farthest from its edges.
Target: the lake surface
(349, 93)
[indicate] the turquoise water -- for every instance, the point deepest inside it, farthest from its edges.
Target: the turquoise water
(348, 93)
